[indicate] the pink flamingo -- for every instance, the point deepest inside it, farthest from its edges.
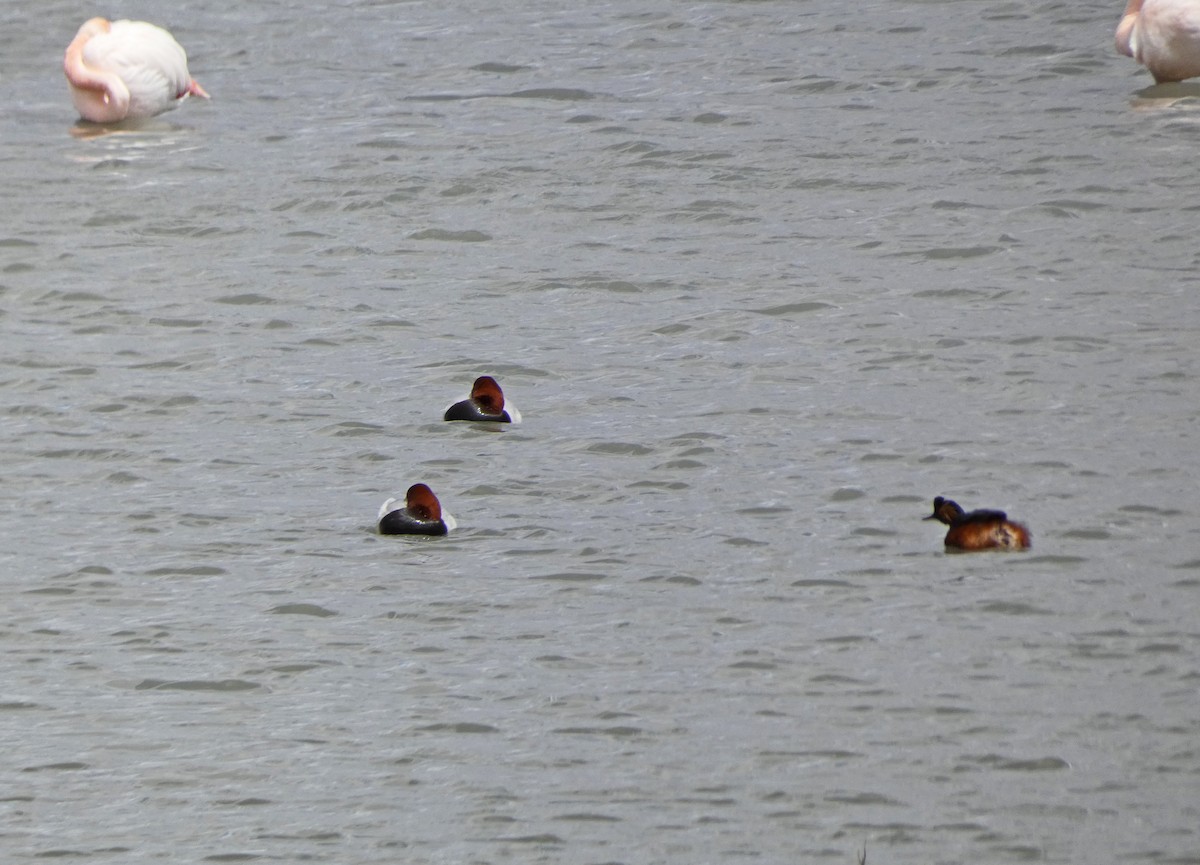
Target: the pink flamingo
(1163, 36)
(121, 70)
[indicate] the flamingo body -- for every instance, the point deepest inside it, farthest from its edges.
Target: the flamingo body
(1163, 36)
(120, 70)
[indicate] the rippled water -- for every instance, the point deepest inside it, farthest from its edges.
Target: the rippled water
(763, 278)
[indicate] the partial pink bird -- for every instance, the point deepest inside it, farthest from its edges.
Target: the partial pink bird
(1163, 36)
(121, 70)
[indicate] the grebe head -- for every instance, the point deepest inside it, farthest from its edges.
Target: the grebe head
(945, 511)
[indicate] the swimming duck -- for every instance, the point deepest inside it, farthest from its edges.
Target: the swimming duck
(486, 403)
(1163, 36)
(120, 70)
(421, 515)
(979, 530)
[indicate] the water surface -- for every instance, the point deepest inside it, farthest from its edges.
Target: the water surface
(763, 278)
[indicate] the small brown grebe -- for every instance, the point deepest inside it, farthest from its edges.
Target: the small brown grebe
(979, 530)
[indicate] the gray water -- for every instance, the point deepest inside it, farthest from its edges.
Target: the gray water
(763, 278)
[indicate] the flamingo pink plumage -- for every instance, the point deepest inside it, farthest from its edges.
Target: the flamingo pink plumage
(1163, 36)
(122, 70)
